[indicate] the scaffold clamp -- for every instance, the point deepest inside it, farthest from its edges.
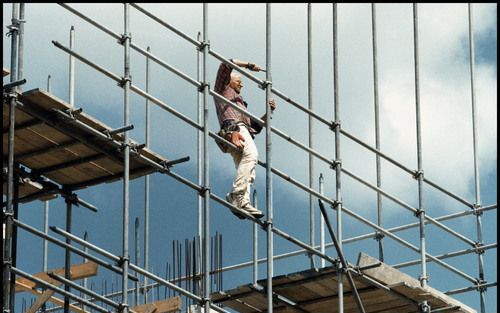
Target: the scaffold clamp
(478, 246)
(378, 236)
(122, 260)
(480, 285)
(424, 307)
(419, 211)
(477, 209)
(423, 277)
(122, 307)
(124, 80)
(334, 125)
(203, 85)
(168, 164)
(265, 83)
(123, 38)
(203, 44)
(335, 163)
(418, 173)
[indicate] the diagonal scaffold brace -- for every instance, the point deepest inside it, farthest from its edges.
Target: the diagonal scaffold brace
(341, 256)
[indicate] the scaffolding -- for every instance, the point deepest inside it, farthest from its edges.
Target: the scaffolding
(111, 155)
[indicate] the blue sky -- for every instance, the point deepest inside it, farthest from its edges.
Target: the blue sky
(238, 31)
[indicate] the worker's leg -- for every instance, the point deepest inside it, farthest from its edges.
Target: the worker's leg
(245, 162)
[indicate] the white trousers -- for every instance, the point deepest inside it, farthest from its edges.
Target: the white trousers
(245, 162)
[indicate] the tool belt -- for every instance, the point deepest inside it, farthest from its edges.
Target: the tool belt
(227, 128)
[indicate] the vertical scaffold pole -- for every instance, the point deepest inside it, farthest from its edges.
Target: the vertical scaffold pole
(9, 213)
(269, 189)
(46, 231)
(71, 68)
(199, 173)
(477, 204)
(146, 184)
(338, 165)
(206, 190)
(85, 280)
(310, 123)
(67, 255)
(71, 100)
(137, 257)
(420, 174)
(379, 236)
(20, 66)
(321, 224)
(255, 243)
(126, 87)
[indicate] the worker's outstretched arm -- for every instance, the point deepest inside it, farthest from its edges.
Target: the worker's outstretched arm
(251, 66)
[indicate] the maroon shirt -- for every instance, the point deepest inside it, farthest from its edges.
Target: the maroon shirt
(226, 111)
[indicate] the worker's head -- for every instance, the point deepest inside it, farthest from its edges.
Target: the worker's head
(236, 82)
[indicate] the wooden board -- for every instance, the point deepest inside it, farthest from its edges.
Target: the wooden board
(5, 72)
(317, 291)
(68, 153)
(163, 306)
(78, 271)
(51, 299)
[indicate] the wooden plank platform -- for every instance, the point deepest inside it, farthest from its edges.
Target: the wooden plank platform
(316, 292)
(162, 306)
(78, 271)
(67, 151)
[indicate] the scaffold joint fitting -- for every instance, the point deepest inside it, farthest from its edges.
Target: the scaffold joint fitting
(14, 27)
(264, 84)
(203, 85)
(422, 278)
(477, 209)
(334, 125)
(72, 113)
(124, 80)
(418, 173)
(70, 198)
(478, 246)
(424, 307)
(123, 38)
(122, 307)
(122, 260)
(136, 147)
(267, 224)
(203, 190)
(335, 163)
(203, 44)
(419, 211)
(480, 285)
(378, 236)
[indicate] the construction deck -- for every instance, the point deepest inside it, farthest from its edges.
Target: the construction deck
(67, 146)
(382, 289)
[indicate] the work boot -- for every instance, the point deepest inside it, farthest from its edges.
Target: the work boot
(240, 203)
(230, 199)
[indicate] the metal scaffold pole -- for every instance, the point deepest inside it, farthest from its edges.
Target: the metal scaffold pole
(477, 189)
(419, 175)
(126, 164)
(206, 181)
(8, 293)
(269, 189)
(311, 131)
(379, 237)
(338, 164)
(146, 183)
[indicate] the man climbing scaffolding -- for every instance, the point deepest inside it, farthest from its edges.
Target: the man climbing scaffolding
(240, 130)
